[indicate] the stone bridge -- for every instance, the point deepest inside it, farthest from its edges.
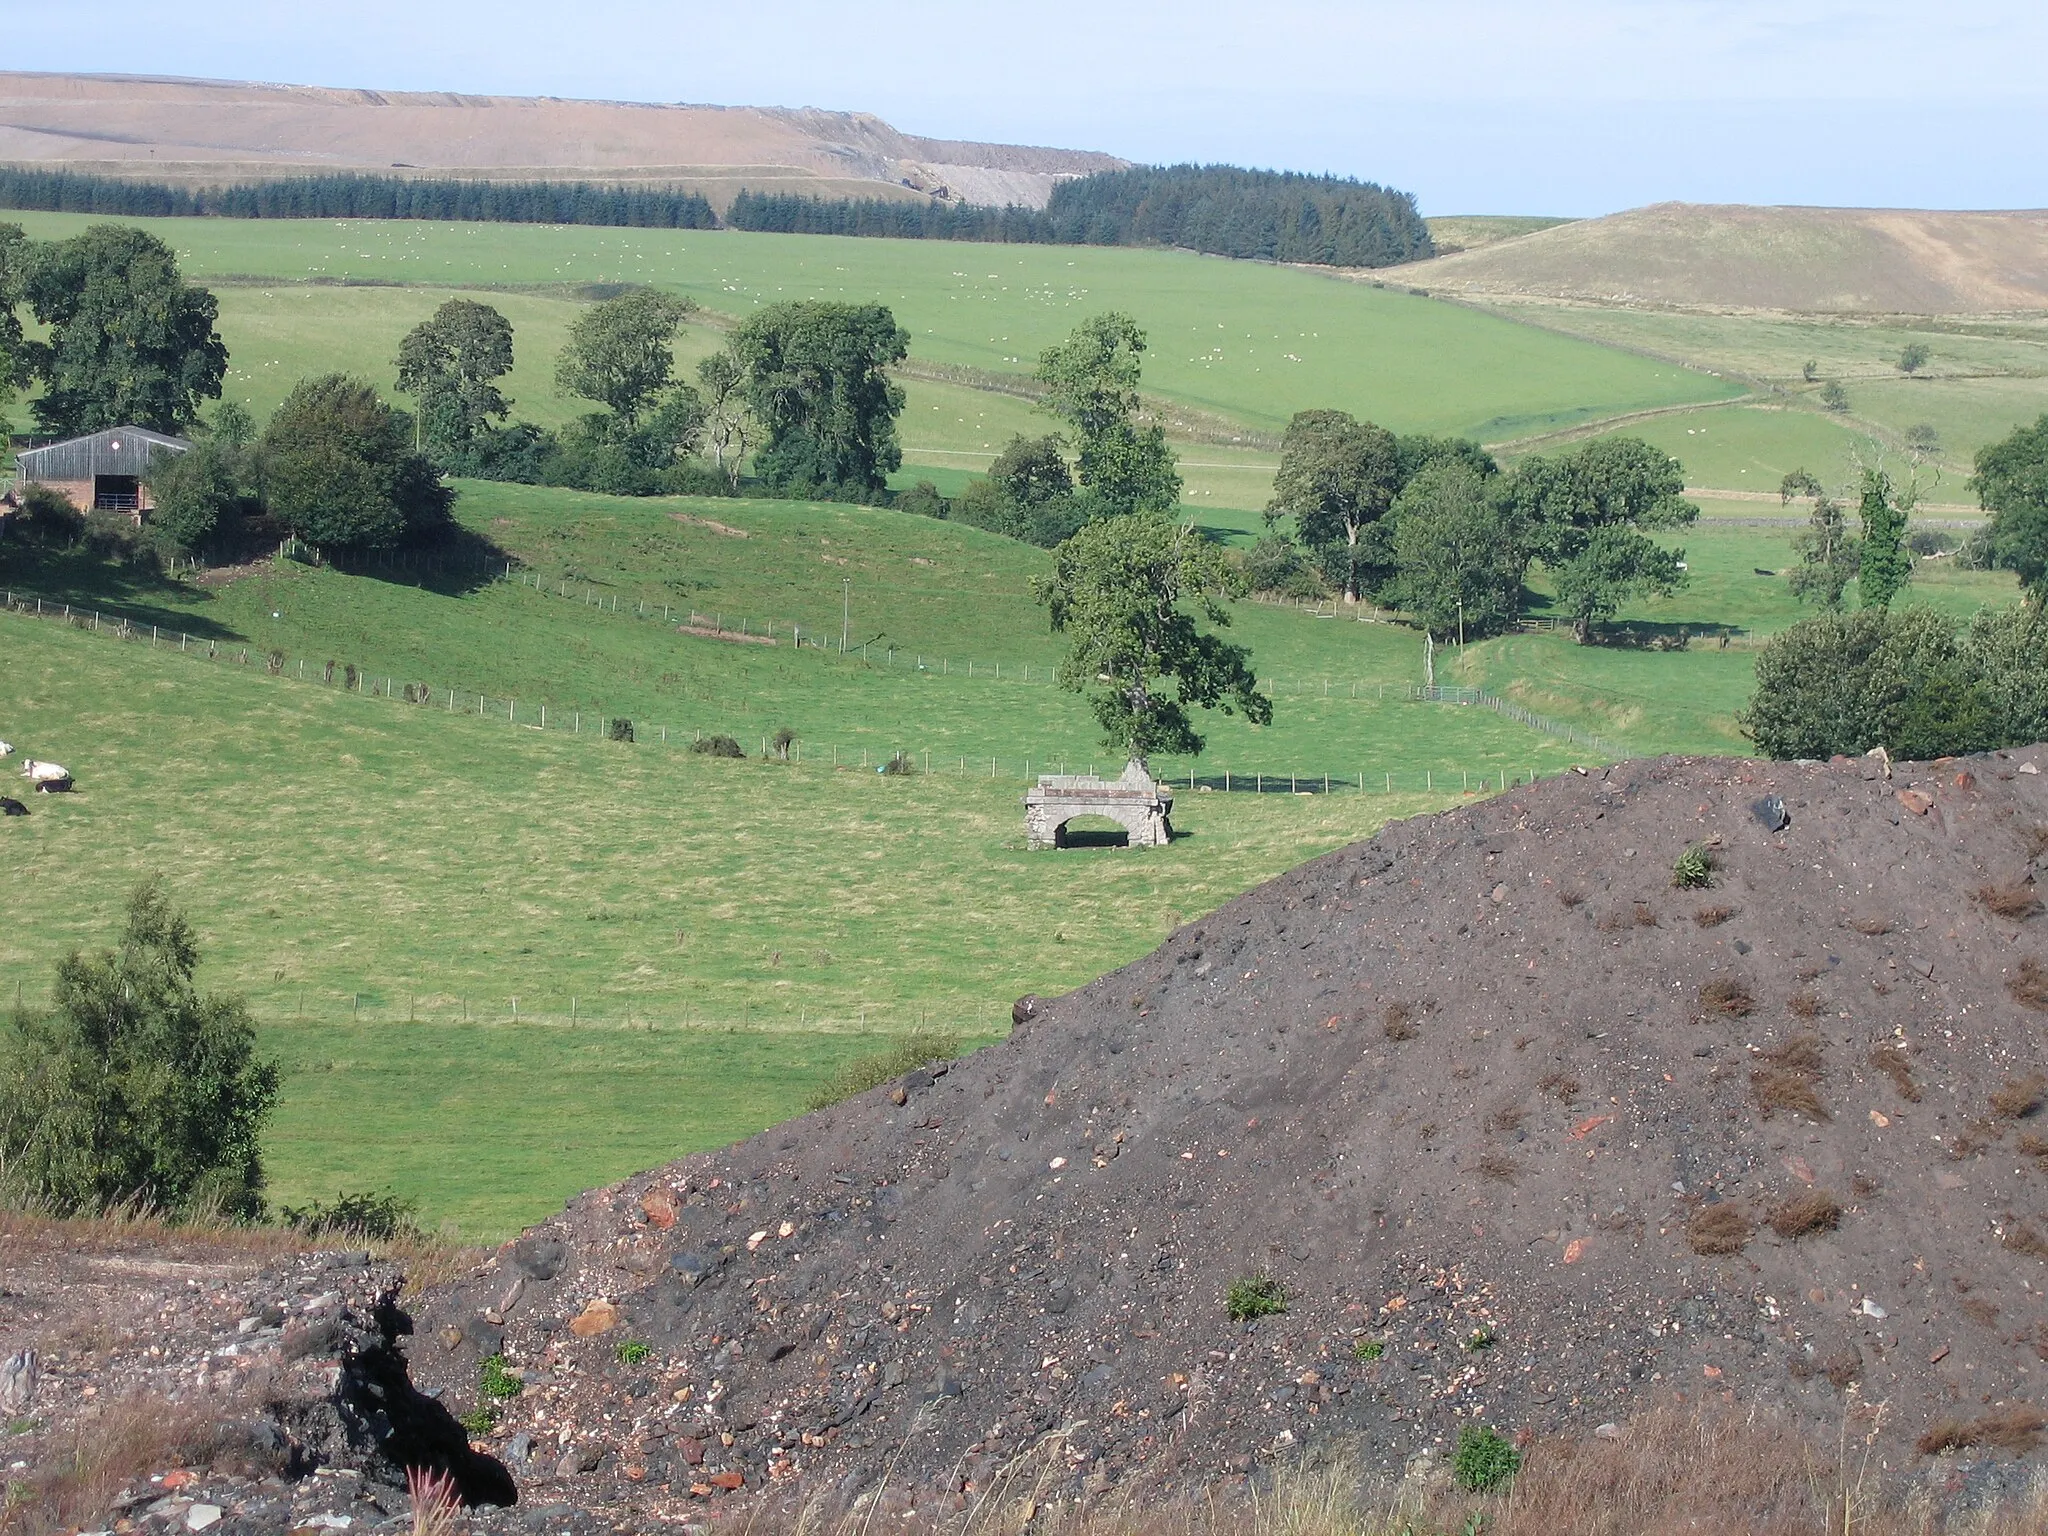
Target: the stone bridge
(1140, 804)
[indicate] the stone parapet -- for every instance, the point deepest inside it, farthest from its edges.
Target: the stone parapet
(1135, 800)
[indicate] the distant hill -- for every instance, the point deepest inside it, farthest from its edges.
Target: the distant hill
(1455, 232)
(1728, 256)
(212, 132)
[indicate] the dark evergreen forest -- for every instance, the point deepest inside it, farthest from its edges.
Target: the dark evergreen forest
(1256, 215)
(1221, 210)
(360, 197)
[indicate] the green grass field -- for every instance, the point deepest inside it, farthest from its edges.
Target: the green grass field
(693, 944)
(1250, 341)
(942, 610)
(384, 880)
(1982, 379)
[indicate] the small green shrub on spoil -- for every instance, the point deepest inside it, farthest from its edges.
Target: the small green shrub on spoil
(1694, 870)
(864, 1072)
(479, 1422)
(497, 1381)
(1369, 1349)
(634, 1351)
(1484, 1460)
(355, 1213)
(1480, 1338)
(1253, 1296)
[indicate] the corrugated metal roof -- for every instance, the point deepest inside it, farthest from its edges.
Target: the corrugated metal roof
(116, 451)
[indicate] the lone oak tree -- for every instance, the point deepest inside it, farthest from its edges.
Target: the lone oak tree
(1117, 591)
(130, 342)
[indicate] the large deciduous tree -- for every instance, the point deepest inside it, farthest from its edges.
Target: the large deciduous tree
(2012, 485)
(1587, 513)
(1029, 494)
(1338, 477)
(619, 354)
(450, 364)
(817, 379)
(1459, 557)
(130, 342)
(1129, 592)
(339, 469)
(14, 248)
(136, 1087)
(1091, 383)
(198, 496)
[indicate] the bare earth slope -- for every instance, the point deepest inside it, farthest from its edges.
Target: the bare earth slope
(1485, 1095)
(1840, 260)
(214, 131)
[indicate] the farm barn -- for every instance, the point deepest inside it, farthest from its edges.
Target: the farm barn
(104, 471)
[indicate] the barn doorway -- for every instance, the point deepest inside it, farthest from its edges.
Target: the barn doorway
(115, 493)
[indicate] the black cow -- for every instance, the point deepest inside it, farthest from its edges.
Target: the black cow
(12, 807)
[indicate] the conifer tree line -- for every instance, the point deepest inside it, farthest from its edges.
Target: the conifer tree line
(1220, 210)
(360, 197)
(1217, 209)
(794, 213)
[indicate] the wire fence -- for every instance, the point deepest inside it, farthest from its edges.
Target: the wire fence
(1509, 710)
(573, 720)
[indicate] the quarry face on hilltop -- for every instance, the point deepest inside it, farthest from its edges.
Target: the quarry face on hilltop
(211, 132)
(1523, 1132)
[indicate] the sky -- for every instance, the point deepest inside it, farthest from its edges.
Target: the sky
(1567, 107)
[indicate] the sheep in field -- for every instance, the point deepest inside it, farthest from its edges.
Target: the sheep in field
(6, 749)
(48, 778)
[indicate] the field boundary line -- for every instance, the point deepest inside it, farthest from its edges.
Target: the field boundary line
(348, 678)
(1509, 710)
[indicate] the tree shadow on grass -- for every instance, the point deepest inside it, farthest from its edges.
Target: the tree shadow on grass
(462, 562)
(137, 591)
(1649, 635)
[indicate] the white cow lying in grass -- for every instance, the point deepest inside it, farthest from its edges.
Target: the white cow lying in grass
(48, 778)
